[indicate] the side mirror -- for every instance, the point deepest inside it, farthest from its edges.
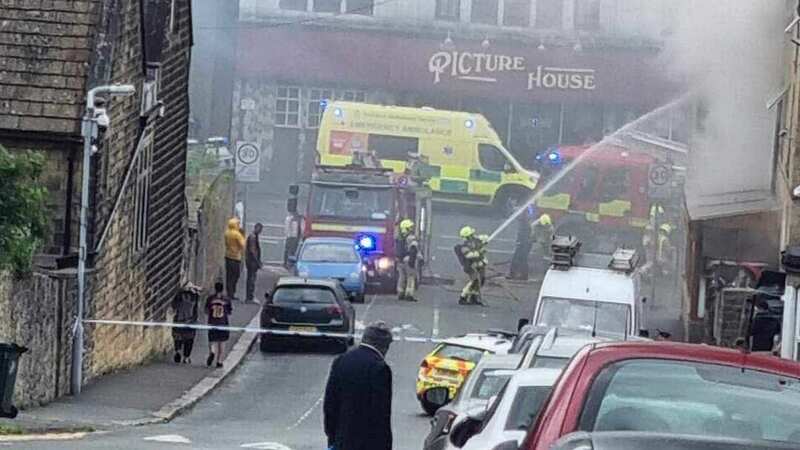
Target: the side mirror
(468, 427)
(437, 396)
(521, 323)
(291, 205)
(294, 189)
(292, 259)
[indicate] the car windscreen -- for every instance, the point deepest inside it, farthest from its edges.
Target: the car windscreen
(459, 352)
(327, 252)
(361, 203)
(584, 315)
(527, 404)
(694, 399)
(296, 294)
(489, 383)
(549, 362)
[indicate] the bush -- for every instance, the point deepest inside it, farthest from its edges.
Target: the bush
(23, 210)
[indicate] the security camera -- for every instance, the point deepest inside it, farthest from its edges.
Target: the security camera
(101, 118)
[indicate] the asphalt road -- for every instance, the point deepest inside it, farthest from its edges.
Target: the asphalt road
(277, 398)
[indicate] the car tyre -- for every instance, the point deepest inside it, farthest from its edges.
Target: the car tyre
(429, 408)
(359, 298)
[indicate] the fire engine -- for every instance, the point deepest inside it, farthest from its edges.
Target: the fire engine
(605, 199)
(365, 204)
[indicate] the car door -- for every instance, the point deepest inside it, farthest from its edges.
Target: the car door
(347, 307)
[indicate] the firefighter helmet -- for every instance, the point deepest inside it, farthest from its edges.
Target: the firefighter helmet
(484, 238)
(666, 228)
(466, 232)
(545, 219)
(406, 225)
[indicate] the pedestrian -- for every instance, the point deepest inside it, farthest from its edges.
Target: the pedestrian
(520, 266)
(358, 396)
(292, 225)
(253, 262)
(234, 247)
(218, 309)
(184, 306)
(407, 261)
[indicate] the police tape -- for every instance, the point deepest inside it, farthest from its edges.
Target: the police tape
(285, 333)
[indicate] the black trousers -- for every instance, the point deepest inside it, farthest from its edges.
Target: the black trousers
(184, 346)
(233, 270)
(250, 285)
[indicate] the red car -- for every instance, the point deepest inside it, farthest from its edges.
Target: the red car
(659, 387)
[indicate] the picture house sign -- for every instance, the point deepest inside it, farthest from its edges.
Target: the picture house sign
(487, 68)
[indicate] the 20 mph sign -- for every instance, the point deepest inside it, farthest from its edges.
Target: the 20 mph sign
(248, 162)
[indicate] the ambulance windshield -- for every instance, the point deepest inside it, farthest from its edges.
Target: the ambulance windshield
(351, 203)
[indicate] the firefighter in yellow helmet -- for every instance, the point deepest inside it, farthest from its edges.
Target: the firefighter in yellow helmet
(665, 251)
(408, 261)
(483, 249)
(469, 255)
(542, 236)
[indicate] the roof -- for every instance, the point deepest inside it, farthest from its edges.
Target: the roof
(510, 361)
(617, 351)
(313, 282)
(484, 342)
(566, 346)
(45, 50)
(328, 240)
(534, 377)
(583, 283)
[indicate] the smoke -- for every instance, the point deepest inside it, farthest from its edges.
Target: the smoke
(730, 54)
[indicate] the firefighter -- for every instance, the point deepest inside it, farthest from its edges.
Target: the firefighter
(665, 251)
(483, 249)
(542, 236)
(407, 261)
(469, 255)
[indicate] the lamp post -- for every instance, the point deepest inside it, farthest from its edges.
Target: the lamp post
(93, 119)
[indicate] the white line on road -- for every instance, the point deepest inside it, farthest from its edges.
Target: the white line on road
(307, 413)
(266, 446)
(435, 330)
(170, 438)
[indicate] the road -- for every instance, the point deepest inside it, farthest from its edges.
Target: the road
(277, 398)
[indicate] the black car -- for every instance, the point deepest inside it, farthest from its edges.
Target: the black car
(305, 307)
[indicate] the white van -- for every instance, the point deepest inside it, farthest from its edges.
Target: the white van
(592, 293)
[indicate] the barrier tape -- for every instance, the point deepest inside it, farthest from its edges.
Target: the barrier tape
(312, 334)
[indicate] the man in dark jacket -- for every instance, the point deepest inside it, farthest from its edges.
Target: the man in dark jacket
(253, 262)
(358, 397)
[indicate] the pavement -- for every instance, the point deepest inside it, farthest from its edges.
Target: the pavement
(150, 393)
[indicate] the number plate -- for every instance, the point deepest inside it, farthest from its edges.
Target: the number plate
(304, 329)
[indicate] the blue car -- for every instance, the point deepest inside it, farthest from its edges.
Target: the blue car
(337, 258)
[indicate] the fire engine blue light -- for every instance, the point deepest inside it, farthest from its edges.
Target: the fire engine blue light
(553, 156)
(469, 123)
(366, 243)
(323, 104)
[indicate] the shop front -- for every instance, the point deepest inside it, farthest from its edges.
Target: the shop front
(534, 97)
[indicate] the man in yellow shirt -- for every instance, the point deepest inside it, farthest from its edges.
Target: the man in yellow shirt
(234, 249)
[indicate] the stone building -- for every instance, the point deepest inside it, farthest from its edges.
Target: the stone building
(51, 53)
(502, 58)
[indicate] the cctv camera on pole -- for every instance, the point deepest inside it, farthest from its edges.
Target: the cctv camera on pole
(94, 118)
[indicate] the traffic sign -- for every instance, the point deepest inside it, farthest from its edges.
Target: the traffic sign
(660, 174)
(248, 162)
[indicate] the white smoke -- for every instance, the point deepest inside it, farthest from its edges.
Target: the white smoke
(730, 53)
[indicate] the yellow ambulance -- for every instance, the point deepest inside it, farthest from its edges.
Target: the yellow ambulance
(467, 160)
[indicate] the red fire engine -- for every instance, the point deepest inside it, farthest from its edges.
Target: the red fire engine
(365, 204)
(604, 198)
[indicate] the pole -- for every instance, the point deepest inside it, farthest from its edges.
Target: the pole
(788, 337)
(87, 130)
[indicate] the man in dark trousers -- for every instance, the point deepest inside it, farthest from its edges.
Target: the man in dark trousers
(358, 397)
(253, 262)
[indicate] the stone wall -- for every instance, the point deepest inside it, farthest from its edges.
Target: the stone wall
(37, 312)
(215, 209)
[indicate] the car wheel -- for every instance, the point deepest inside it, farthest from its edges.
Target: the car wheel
(429, 408)
(359, 298)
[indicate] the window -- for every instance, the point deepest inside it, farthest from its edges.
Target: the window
(394, 148)
(327, 6)
(616, 184)
(141, 194)
(484, 11)
(316, 96)
(489, 383)
(549, 13)
(584, 315)
(699, 399)
(535, 129)
(333, 201)
(458, 352)
(294, 5)
(364, 7)
(492, 158)
(337, 253)
(587, 14)
(289, 295)
(583, 124)
(527, 404)
(517, 13)
(448, 10)
(287, 107)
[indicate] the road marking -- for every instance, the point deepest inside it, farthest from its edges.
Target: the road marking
(435, 330)
(266, 446)
(307, 413)
(170, 438)
(41, 437)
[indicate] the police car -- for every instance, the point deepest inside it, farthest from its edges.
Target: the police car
(452, 360)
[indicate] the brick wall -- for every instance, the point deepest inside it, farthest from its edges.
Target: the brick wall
(37, 313)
